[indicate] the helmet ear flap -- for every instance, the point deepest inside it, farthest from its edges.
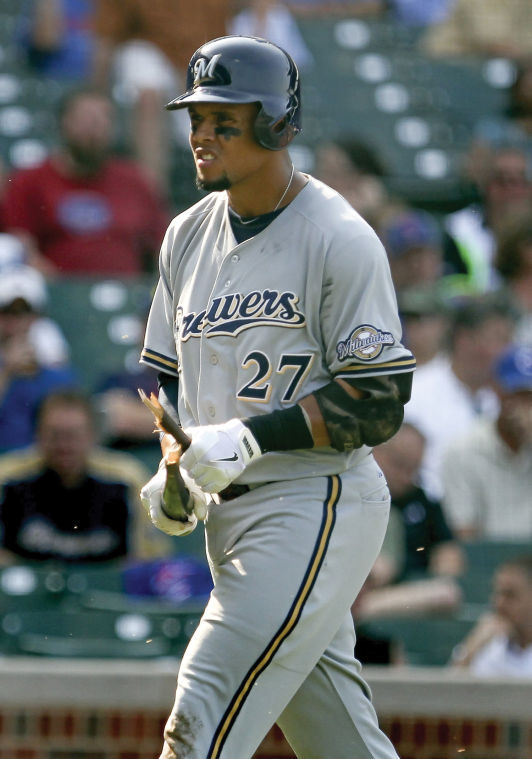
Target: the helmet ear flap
(273, 136)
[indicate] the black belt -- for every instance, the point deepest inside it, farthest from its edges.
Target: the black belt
(233, 491)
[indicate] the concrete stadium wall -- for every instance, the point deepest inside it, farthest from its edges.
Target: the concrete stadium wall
(96, 709)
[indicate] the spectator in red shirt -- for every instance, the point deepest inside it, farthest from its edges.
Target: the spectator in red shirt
(84, 210)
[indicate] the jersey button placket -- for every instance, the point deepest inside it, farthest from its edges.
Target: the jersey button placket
(209, 359)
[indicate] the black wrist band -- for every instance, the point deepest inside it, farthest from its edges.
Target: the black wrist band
(284, 430)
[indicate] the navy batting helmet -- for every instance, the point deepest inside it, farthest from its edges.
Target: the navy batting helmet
(238, 69)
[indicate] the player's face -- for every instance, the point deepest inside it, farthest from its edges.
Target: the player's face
(223, 144)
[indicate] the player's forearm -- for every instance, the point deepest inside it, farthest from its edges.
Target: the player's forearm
(344, 414)
(281, 430)
(314, 415)
(300, 426)
(315, 421)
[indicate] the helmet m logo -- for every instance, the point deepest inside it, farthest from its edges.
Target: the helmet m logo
(204, 69)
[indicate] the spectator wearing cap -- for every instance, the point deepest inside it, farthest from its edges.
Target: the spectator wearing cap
(23, 299)
(487, 474)
(12, 250)
(33, 355)
(412, 240)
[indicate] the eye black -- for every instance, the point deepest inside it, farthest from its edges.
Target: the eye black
(228, 131)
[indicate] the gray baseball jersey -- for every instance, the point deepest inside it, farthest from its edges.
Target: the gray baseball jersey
(255, 327)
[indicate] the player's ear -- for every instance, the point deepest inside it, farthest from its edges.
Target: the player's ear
(279, 126)
(283, 131)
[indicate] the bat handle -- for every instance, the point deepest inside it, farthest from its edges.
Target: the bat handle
(164, 420)
(180, 435)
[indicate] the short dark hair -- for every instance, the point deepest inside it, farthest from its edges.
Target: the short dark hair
(523, 562)
(76, 93)
(362, 156)
(70, 398)
(475, 310)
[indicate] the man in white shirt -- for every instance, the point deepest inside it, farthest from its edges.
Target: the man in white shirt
(454, 388)
(501, 644)
(487, 474)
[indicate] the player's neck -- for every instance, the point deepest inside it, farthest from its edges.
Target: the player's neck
(266, 194)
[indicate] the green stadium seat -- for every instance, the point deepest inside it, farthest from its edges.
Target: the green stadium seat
(483, 557)
(370, 73)
(95, 634)
(103, 321)
(424, 641)
(105, 589)
(27, 586)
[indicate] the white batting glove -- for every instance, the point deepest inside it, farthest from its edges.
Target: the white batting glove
(152, 499)
(218, 454)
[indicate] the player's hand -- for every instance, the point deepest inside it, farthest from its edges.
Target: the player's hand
(218, 454)
(152, 497)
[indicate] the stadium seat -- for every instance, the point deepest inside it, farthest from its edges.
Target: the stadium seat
(103, 322)
(424, 641)
(95, 634)
(28, 586)
(369, 74)
(483, 557)
(158, 587)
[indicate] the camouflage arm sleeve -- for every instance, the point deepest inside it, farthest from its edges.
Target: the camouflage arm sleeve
(370, 420)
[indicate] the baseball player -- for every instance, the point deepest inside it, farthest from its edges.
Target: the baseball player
(274, 328)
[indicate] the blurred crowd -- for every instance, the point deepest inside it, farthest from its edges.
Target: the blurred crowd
(97, 206)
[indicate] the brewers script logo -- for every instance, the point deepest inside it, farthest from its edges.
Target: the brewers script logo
(232, 314)
(365, 343)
